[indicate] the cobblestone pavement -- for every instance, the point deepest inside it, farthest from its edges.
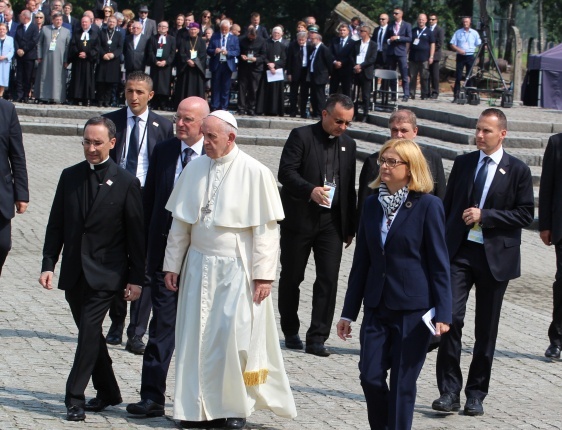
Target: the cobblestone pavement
(38, 341)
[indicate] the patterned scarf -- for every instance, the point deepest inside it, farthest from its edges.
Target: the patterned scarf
(391, 202)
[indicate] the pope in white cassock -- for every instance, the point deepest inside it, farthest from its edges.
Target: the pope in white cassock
(222, 255)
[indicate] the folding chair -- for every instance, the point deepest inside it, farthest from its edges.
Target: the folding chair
(386, 95)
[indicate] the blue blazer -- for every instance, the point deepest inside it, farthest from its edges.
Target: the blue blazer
(411, 270)
(232, 48)
(398, 47)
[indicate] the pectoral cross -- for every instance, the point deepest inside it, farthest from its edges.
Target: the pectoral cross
(85, 43)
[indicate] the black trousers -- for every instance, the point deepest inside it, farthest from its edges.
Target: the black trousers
(419, 68)
(89, 307)
(317, 98)
(5, 240)
(434, 77)
(464, 62)
(341, 77)
(366, 86)
(299, 97)
(23, 78)
(395, 341)
(380, 64)
(326, 242)
(555, 329)
(248, 84)
(161, 341)
(140, 312)
(470, 267)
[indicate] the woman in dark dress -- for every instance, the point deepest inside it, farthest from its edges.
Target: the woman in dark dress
(190, 62)
(270, 98)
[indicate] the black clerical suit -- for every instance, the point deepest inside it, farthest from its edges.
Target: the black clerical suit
(341, 51)
(319, 69)
(309, 158)
(13, 174)
(550, 218)
(161, 75)
(364, 55)
(159, 184)
(507, 208)
(370, 171)
(82, 82)
(158, 129)
(250, 72)
(97, 218)
(297, 69)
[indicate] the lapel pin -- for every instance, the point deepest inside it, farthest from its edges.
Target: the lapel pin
(109, 182)
(155, 124)
(408, 205)
(502, 171)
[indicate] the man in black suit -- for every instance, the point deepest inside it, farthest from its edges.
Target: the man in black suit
(398, 36)
(550, 226)
(27, 37)
(250, 70)
(11, 25)
(134, 49)
(97, 218)
(297, 71)
(166, 164)
(364, 56)
(489, 199)
(317, 171)
(319, 69)
(138, 131)
(402, 125)
(378, 38)
(255, 19)
(439, 36)
(342, 72)
(67, 16)
(13, 187)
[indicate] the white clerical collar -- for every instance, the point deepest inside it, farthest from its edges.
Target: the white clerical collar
(228, 157)
(92, 166)
(143, 116)
(197, 147)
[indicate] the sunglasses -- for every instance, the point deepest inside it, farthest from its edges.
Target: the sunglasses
(395, 13)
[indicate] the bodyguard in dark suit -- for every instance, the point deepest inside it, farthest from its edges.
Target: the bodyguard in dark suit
(364, 57)
(342, 72)
(439, 36)
(223, 49)
(97, 219)
(297, 71)
(489, 200)
(13, 175)
(550, 226)
(27, 37)
(139, 130)
(402, 125)
(319, 69)
(315, 159)
(400, 271)
(134, 50)
(379, 37)
(166, 164)
(398, 36)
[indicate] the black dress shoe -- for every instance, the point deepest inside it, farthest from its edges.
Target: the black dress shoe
(135, 345)
(317, 349)
(114, 334)
(97, 405)
(446, 403)
(235, 423)
(218, 423)
(473, 407)
(405, 98)
(434, 96)
(293, 342)
(75, 413)
(146, 407)
(553, 352)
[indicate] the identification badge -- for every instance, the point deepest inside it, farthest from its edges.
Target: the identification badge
(250, 55)
(330, 193)
(159, 52)
(416, 41)
(109, 42)
(464, 46)
(475, 234)
(222, 57)
(193, 54)
(360, 59)
(53, 45)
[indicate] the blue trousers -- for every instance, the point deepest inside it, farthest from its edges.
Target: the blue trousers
(220, 87)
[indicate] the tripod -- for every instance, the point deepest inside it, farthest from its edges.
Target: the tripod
(471, 93)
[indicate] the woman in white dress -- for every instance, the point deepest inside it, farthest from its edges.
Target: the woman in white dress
(6, 54)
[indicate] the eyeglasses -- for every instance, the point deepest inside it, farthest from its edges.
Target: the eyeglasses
(185, 120)
(382, 19)
(87, 143)
(391, 163)
(39, 17)
(143, 12)
(433, 19)
(395, 13)
(206, 16)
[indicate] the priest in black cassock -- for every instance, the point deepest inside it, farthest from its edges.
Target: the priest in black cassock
(161, 52)
(191, 60)
(83, 53)
(109, 67)
(250, 70)
(270, 100)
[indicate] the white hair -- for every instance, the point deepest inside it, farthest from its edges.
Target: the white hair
(227, 22)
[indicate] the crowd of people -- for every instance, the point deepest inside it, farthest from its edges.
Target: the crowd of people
(52, 56)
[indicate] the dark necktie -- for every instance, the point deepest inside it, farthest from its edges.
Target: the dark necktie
(480, 181)
(223, 41)
(187, 153)
(342, 42)
(133, 152)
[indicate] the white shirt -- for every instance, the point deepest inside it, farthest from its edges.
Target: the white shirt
(136, 40)
(492, 167)
(142, 166)
(197, 148)
(380, 38)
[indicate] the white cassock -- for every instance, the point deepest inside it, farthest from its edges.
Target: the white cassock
(228, 359)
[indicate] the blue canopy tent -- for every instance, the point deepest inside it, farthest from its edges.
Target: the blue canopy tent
(543, 81)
